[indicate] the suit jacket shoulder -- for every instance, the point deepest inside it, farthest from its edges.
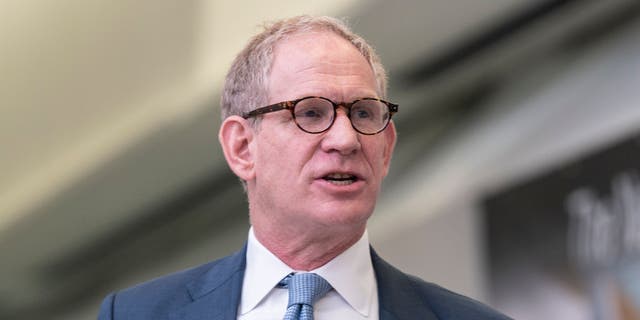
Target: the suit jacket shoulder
(185, 292)
(403, 296)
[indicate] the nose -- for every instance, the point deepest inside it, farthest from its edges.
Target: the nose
(341, 137)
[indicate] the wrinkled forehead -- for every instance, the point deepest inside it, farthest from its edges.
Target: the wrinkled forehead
(313, 41)
(318, 61)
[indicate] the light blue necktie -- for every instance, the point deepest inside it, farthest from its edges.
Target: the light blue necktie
(304, 290)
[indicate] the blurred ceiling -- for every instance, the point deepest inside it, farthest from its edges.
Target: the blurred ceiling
(109, 115)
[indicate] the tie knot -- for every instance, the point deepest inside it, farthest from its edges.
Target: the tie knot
(306, 288)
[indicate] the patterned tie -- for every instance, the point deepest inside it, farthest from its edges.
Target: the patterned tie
(304, 290)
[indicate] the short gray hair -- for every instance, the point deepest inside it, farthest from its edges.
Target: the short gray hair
(245, 86)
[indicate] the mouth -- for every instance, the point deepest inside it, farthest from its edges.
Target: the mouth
(340, 179)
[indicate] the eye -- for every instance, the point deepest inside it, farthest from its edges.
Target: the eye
(368, 110)
(363, 110)
(313, 109)
(362, 113)
(310, 112)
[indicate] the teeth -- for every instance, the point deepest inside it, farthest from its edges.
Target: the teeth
(341, 182)
(340, 179)
(339, 176)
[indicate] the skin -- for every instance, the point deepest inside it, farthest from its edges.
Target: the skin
(298, 215)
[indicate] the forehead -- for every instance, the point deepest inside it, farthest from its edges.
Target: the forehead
(319, 63)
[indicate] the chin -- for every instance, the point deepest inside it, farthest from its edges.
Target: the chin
(344, 215)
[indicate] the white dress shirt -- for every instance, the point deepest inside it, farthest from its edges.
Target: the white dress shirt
(354, 294)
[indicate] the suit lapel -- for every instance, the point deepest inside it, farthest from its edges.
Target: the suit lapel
(216, 293)
(397, 296)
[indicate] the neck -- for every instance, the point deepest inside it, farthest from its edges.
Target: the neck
(305, 250)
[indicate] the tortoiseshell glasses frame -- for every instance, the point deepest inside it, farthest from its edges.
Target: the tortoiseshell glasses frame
(315, 114)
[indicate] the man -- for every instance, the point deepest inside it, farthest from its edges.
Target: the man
(307, 132)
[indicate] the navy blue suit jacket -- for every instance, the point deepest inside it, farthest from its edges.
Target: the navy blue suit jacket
(212, 292)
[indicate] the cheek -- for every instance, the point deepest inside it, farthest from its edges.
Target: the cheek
(280, 158)
(376, 153)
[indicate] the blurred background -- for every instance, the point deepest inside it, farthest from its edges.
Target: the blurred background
(516, 178)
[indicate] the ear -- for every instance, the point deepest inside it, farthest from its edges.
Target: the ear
(390, 141)
(235, 136)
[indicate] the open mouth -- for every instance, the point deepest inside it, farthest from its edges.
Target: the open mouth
(340, 179)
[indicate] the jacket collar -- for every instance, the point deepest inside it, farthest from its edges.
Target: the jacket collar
(398, 298)
(215, 294)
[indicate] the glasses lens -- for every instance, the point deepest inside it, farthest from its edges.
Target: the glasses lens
(313, 114)
(369, 116)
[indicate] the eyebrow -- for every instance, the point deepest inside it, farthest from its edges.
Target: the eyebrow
(333, 96)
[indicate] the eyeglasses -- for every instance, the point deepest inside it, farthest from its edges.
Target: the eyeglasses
(317, 114)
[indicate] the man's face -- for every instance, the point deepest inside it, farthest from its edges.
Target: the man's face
(330, 179)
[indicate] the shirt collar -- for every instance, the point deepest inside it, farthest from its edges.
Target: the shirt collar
(263, 272)
(350, 274)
